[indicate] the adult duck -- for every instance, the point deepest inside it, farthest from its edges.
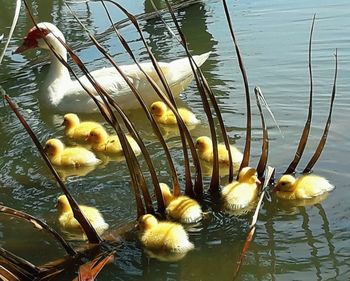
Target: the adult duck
(61, 94)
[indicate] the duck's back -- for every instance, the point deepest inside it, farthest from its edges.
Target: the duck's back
(239, 195)
(82, 131)
(113, 145)
(75, 156)
(184, 209)
(166, 236)
(309, 186)
(68, 221)
(178, 74)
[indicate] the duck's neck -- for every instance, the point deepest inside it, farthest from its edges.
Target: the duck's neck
(58, 79)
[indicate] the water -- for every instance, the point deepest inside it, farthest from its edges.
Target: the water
(291, 243)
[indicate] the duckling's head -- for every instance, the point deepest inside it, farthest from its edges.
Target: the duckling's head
(203, 143)
(53, 147)
(167, 196)
(158, 108)
(71, 120)
(63, 204)
(97, 135)
(147, 222)
(285, 183)
(248, 175)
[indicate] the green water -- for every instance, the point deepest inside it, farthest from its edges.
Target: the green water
(291, 243)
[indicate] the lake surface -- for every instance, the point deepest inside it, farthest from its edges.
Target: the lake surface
(291, 243)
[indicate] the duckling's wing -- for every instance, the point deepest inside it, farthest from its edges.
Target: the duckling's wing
(312, 185)
(77, 156)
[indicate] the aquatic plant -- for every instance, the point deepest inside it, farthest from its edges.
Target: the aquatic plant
(13, 267)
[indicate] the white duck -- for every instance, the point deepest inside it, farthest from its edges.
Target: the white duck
(62, 94)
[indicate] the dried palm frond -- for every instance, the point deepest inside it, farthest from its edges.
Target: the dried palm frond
(246, 154)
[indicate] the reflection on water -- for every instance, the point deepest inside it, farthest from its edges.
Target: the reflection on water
(309, 240)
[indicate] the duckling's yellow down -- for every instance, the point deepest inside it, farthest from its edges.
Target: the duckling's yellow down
(304, 187)
(204, 147)
(77, 130)
(69, 223)
(69, 156)
(163, 236)
(239, 194)
(102, 142)
(163, 115)
(181, 208)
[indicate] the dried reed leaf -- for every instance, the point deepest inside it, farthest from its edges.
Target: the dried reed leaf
(85, 224)
(215, 180)
(265, 145)
(12, 28)
(129, 125)
(107, 112)
(305, 135)
(18, 265)
(246, 154)
(40, 225)
(323, 139)
(251, 232)
(89, 270)
(7, 275)
(165, 99)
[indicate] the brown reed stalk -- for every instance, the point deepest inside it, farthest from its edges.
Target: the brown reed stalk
(18, 266)
(5, 273)
(323, 139)
(305, 135)
(131, 128)
(204, 81)
(107, 113)
(165, 99)
(90, 232)
(89, 270)
(265, 145)
(39, 225)
(246, 154)
(261, 172)
(133, 20)
(251, 232)
(215, 178)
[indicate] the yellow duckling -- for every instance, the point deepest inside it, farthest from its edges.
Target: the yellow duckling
(204, 147)
(77, 130)
(69, 223)
(304, 187)
(102, 142)
(240, 194)
(70, 156)
(163, 236)
(164, 115)
(181, 208)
